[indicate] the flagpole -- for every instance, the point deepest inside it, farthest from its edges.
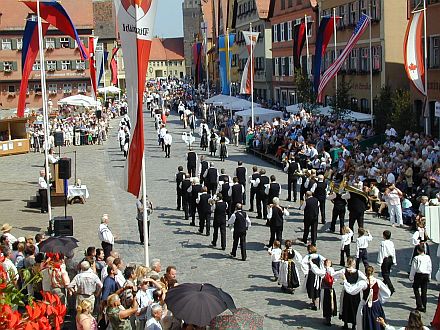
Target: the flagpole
(371, 72)
(45, 114)
(229, 61)
(307, 47)
(426, 69)
(336, 51)
(145, 213)
(252, 76)
(103, 72)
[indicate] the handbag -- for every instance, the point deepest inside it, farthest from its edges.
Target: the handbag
(328, 280)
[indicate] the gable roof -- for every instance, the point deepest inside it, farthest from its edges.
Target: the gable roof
(168, 49)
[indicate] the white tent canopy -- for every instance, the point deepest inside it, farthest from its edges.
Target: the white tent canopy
(220, 99)
(109, 89)
(240, 104)
(327, 111)
(262, 114)
(79, 101)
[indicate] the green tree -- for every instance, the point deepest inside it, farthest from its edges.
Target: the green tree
(342, 100)
(383, 109)
(402, 117)
(305, 92)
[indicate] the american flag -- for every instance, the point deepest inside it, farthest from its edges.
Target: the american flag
(336, 66)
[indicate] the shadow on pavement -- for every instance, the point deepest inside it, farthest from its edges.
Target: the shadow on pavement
(125, 241)
(214, 255)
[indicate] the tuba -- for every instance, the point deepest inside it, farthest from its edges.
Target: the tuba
(337, 188)
(354, 190)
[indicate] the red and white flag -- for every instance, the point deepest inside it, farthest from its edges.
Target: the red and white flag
(248, 73)
(93, 41)
(136, 21)
(413, 52)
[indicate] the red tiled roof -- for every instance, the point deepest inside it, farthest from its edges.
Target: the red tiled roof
(169, 49)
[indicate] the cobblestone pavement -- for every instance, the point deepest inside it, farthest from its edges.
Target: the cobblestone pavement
(175, 242)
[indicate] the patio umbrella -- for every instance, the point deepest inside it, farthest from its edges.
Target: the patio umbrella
(196, 303)
(241, 318)
(58, 244)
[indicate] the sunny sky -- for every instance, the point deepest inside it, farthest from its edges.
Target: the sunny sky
(169, 20)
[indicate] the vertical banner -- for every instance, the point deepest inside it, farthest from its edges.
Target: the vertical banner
(99, 63)
(93, 41)
(251, 40)
(28, 56)
(225, 44)
(136, 22)
(114, 67)
(197, 57)
(299, 39)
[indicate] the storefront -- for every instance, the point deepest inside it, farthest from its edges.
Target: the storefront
(14, 137)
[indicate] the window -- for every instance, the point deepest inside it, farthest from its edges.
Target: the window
(66, 65)
(290, 3)
(36, 66)
(275, 33)
(67, 88)
(50, 43)
(364, 105)
(20, 44)
(354, 104)
(309, 26)
(353, 60)
(37, 88)
(64, 42)
(51, 65)
(365, 59)
(82, 87)
(342, 14)
(6, 44)
(435, 52)
(377, 58)
(289, 30)
(277, 72)
(352, 13)
(11, 89)
(363, 7)
(291, 66)
(325, 12)
(52, 89)
(8, 66)
(375, 10)
(283, 4)
(282, 32)
(80, 65)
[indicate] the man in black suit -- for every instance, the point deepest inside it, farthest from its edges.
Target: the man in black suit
(186, 196)
(179, 178)
(293, 169)
(220, 217)
(260, 184)
(204, 201)
(241, 223)
(357, 205)
(311, 212)
(203, 166)
(211, 179)
(255, 175)
(241, 174)
(194, 191)
(191, 163)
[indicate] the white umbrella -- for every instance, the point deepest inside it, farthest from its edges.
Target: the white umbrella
(79, 101)
(109, 89)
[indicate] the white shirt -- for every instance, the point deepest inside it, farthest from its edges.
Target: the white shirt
(231, 220)
(105, 234)
(420, 264)
(275, 254)
(144, 299)
(362, 243)
(269, 213)
(153, 324)
(167, 139)
(386, 249)
(42, 183)
(346, 239)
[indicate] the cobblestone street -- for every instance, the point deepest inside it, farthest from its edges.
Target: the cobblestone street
(175, 242)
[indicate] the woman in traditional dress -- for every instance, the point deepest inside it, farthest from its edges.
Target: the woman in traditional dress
(374, 294)
(204, 139)
(420, 237)
(328, 294)
(289, 278)
(223, 140)
(313, 267)
(213, 142)
(349, 302)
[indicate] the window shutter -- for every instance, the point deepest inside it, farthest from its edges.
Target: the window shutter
(279, 37)
(273, 33)
(286, 31)
(273, 66)
(58, 65)
(73, 64)
(87, 64)
(347, 14)
(378, 10)
(279, 67)
(85, 41)
(14, 66)
(1, 67)
(71, 43)
(57, 43)
(14, 44)
(357, 6)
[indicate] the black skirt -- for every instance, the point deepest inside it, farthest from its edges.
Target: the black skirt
(292, 276)
(329, 303)
(350, 304)
(312, 292)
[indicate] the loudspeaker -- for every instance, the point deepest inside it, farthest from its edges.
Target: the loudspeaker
(59, 139)
(98, 114)
(63, 226)
(64, 168)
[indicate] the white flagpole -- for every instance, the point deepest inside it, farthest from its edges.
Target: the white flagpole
(145, 213)
(336, 51)
(252, 76)
(425, 41)
(228, 62)
(45, 114)
(307, 47)
(371, 74)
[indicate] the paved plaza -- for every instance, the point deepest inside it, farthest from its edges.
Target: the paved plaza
(175, 242)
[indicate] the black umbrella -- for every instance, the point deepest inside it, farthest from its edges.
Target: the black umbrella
(196, 303)
(58, 244)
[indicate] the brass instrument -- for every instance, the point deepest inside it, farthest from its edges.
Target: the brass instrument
(358, 191)
(337, 188)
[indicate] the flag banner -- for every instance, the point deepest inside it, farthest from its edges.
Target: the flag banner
(413, 52)
(325, 32)
(100, 59)
(114, 67)
(55, 14)
(299, 39)
(93, 41)
(225, 44)
(337, 64)
(248, 72)
(28, 55)
(136, 22)
(197, 58)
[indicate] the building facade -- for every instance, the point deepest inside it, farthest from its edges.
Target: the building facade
(387, 36)
(66, 74)
(255, 12)
(433, 33)
(192, 17)
(286, 15)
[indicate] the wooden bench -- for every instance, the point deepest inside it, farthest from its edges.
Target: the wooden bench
(267, 157)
